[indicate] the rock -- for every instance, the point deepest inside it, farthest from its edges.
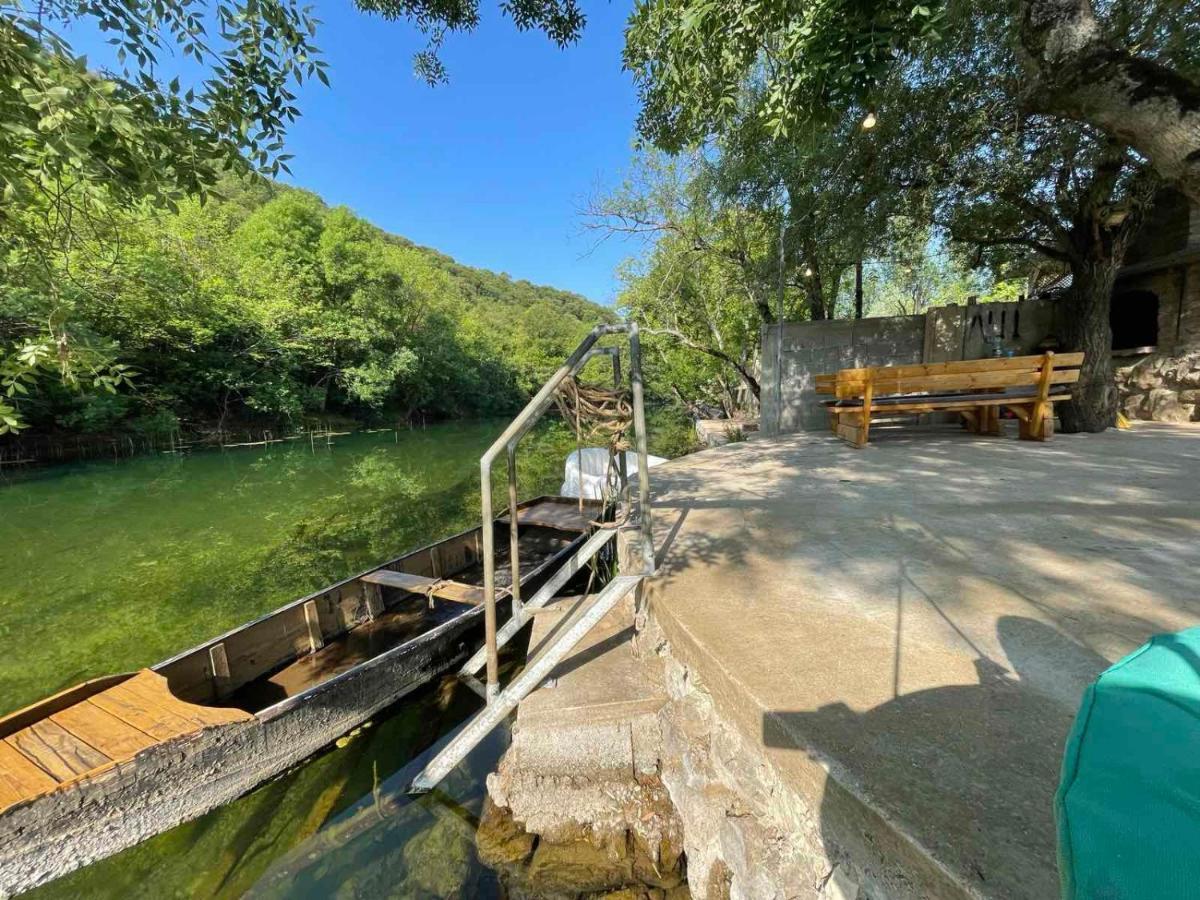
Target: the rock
(500, 840)
(581, 866)
(437, 861)
(1165, 406)
(1145, 377)
(658, 866)
(840, 885)
(1134, 405)
(1189, 398)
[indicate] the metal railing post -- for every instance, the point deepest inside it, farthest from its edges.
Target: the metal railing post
(489, 579)
(622, 466)
(517, 429)
(513, 545)
(639, 433)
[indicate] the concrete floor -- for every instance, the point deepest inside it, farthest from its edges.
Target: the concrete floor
(905, 631)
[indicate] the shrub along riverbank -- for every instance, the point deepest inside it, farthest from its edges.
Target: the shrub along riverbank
(268, 310)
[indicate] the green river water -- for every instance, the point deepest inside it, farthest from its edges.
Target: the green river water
(108, 567)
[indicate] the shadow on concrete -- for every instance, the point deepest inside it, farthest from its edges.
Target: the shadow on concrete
(847, 597)
(941, 752)
(595, 651)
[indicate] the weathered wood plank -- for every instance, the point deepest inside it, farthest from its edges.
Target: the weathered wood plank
(152, 690)
(35, 712)
(967, 366)
(19, 777)
(886, 382)
(102, 730)
(419, 584)
(145, 715)
(56, 750)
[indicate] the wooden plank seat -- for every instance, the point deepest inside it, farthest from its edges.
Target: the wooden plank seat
(441, 588)
(563, 513)
(90, 728)
(978, 389)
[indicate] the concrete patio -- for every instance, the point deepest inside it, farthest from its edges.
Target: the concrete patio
(905, 631)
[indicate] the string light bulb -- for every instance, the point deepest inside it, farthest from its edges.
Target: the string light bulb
(808, 272)
(870, 121)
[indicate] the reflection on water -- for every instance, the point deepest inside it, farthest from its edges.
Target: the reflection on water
(110, 567)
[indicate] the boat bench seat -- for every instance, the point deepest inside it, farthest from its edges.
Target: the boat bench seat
(441, 588)
(976, 389)
(91, 727)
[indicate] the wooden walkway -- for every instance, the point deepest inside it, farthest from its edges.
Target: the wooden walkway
(95, 733)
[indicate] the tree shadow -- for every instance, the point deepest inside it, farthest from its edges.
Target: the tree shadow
(968, 771)
(846, 595)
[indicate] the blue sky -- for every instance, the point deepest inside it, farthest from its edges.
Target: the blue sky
(492, 168)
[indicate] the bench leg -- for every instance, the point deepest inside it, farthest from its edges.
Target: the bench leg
(992, 426)
(853, 431)
(1041, 430)
(1048, 423)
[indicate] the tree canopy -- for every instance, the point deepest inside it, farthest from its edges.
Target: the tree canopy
(265, 305)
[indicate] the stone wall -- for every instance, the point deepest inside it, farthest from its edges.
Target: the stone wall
(1161, 387)
(1165, 386)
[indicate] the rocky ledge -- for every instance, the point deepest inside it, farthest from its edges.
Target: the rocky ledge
(1161, 388)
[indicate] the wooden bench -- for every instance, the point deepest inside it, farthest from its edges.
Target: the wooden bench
(977, 389)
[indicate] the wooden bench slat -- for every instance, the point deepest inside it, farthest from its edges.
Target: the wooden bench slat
(885, 383)
(967, 366)
(948, 406)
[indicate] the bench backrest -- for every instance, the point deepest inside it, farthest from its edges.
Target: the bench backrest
(963, 375)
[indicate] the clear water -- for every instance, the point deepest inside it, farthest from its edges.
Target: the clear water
(108, 567)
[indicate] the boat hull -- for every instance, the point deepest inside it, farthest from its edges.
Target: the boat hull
(223, 749)
(57, 833)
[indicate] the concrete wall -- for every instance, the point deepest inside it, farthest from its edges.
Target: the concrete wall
(941, 335)
(810, 348)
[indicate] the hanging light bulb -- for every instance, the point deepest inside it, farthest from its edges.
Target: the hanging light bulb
(808, 271)
(870, 121)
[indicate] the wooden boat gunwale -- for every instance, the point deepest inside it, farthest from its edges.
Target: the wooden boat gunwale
(432, 635)
(348, 580)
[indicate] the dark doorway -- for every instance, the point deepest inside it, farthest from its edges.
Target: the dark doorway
(1133, 316)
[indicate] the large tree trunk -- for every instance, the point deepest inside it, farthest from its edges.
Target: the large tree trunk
(1086, 327)
(1075, 74)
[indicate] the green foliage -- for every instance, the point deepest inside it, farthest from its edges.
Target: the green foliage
(701, 65)
(560, 20)
(264, 304)
(921, 271)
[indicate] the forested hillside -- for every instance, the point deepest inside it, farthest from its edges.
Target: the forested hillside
(264, 306)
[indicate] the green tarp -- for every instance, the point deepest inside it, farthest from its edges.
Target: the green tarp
(1128, 805)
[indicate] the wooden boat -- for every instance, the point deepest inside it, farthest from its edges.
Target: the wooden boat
(108, 763)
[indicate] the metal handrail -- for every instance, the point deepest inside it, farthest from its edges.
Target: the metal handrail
(507, 444)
